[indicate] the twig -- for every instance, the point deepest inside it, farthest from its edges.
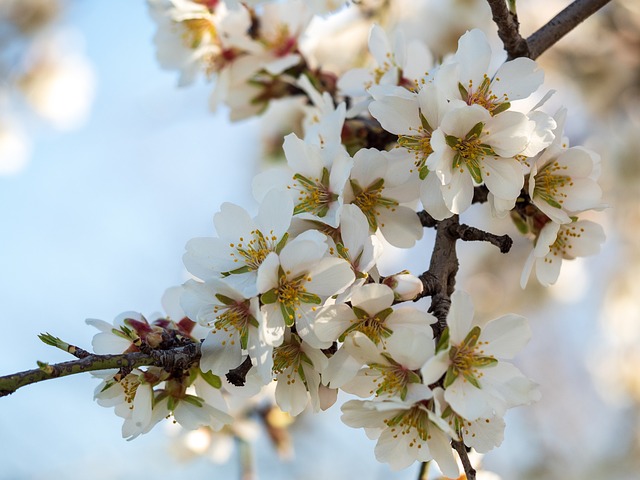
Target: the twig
(562, 24)
(238, 375)
(508, 29)
(427, 220)
(178, 358)
(423, 473)
(470, 234)
(460, 447)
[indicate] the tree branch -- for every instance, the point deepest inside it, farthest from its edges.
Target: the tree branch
(177, 358)
(460, 447)
(443, 268)
(470, 234)
(508, 29)
(561, 24)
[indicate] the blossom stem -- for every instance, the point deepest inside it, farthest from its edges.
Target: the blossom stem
(561, 24)
(460, 447)
(178, 357)
(423, 473)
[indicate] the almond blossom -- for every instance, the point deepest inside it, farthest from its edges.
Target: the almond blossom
(406, 431)
(383, 196)
(235, 322)
(295, 283)
(243, 242)
(472, 147)
(297, 367)
(477, 382)
(471, 82)
(563, 181)
(315, 179)
(556, 242)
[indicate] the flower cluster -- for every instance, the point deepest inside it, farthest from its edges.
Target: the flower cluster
(143, 397)
(294, 294)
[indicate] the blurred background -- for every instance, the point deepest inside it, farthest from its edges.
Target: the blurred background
(107, 169)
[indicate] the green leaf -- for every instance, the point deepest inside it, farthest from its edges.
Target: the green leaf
(475, 131)
(472, 338)
(501, 108)
(289, 314)
(451, 141)
(360, 313)
(211, 379)
(270, 296)
(355, 187)
(225, 300)
(282, 243)
(240, 270)
(463, 92)
(443, 343)
(325, 176)
(425, 123)
(472, 380)
(474, 170)
(382, 316)
(484, 361)
(450, 377)
(193, 400)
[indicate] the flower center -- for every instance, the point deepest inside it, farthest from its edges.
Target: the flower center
(564, 241)
(470, 151)
(315, 195)
(467, 360)
(393, 378)
(484, 96)
(289, 294)
(196, 30)
(550, 185)
(253, 252)
(234, 317)
(370, 199)
(410, 422)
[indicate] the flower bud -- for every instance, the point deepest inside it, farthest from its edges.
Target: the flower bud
(404, 285)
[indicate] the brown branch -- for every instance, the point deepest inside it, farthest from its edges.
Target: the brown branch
(460, 447)
(508, 29)
(443, 268)
(427, 220)
(470, 234)
(238, 375)
(561, 24)
(177, 358)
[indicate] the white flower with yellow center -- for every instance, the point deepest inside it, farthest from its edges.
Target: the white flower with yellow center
(315, 179)
(297, 367)
(557, 242)
(471, 147)
(187, 36)
(402, 64)
(471, 82)
(383, 195)
(295, 283)
(407, 431)
(477, 382)
(371, 314)
(481, 434)
(390, 369)
(234, 323)
(563, 181)
(132, 398)
(243, 242)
